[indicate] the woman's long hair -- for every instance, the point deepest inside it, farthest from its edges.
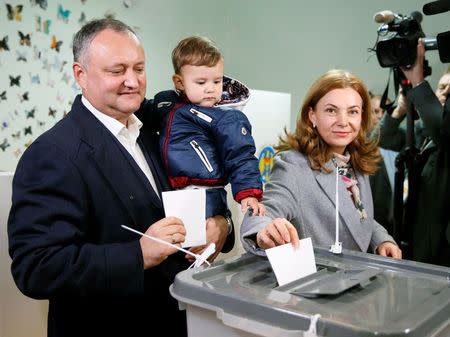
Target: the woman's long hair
(364, 152)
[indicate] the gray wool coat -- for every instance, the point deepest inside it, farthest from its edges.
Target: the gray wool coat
(306, 198)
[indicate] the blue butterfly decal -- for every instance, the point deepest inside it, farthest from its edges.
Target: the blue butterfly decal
(35, 79)
(63, 15)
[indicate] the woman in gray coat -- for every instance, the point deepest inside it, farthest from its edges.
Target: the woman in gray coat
(300, 195)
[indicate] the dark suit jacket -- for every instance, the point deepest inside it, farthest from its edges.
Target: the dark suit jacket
(382, 198)
(73, 189)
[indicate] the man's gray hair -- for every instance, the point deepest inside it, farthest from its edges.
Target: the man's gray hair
(86, 34)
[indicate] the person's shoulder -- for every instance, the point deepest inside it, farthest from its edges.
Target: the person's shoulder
(291, 157)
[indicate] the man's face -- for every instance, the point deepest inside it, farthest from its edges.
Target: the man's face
(377, 111)
(443, 88)
(201, 84)
(112, 77)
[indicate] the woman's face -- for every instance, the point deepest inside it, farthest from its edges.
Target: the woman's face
(337, 117)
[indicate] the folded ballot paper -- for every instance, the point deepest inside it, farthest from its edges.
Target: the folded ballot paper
(190, 207)
(291, 264)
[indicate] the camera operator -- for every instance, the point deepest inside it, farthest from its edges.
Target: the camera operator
(430, 227)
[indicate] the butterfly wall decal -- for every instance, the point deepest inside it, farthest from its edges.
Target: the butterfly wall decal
(50, 83)
(21, 56)
(24, 39)
(52, 112)
(16, 135)
(4, 43)
(59, 98)
(4, 145)
(65, 78)
(63, 14)
(27, 130)
(82, 19)
(23, 97)
(14, 12)
(44, 26)
(46, 65)
(35, 79)
(58, 64)
(3, 125)
(3, 96)
(30, 113)
(41, 3)
(28, 143)
(110, 14)
(55, 44)
(14, 81)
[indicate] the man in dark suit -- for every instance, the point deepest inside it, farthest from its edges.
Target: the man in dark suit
(74, 187)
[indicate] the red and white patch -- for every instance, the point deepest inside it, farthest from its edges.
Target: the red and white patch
(244, 131)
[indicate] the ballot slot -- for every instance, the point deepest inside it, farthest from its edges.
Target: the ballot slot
(330, 281)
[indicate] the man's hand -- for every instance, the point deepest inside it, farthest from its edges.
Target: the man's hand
(400, 109)
(169, 229)
(278, 232)
(415, 72)
(216, 231)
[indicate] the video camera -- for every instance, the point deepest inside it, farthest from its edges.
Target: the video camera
(400, 48)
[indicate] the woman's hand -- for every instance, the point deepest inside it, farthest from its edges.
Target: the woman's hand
(278, 232)
(388, 248)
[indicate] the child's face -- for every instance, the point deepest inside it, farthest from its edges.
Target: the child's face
(201, 84)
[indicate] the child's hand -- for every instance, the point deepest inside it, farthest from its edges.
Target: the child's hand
(258, 208)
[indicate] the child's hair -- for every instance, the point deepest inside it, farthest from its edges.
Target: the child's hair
(196, 51)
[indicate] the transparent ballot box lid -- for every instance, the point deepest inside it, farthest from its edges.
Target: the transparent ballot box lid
(355, 294)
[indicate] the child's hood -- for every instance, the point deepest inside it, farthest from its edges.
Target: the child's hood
(235, 94)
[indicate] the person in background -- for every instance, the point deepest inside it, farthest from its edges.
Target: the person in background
(206, 140)
(430, 227)
(79, 182)
(382, 182)
(300, 196)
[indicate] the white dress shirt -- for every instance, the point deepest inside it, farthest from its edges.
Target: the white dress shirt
(127, 136)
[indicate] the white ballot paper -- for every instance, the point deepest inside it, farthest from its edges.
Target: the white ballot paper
(190, 207)
(289, 264)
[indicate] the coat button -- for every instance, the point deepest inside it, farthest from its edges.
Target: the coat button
(131, 197)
